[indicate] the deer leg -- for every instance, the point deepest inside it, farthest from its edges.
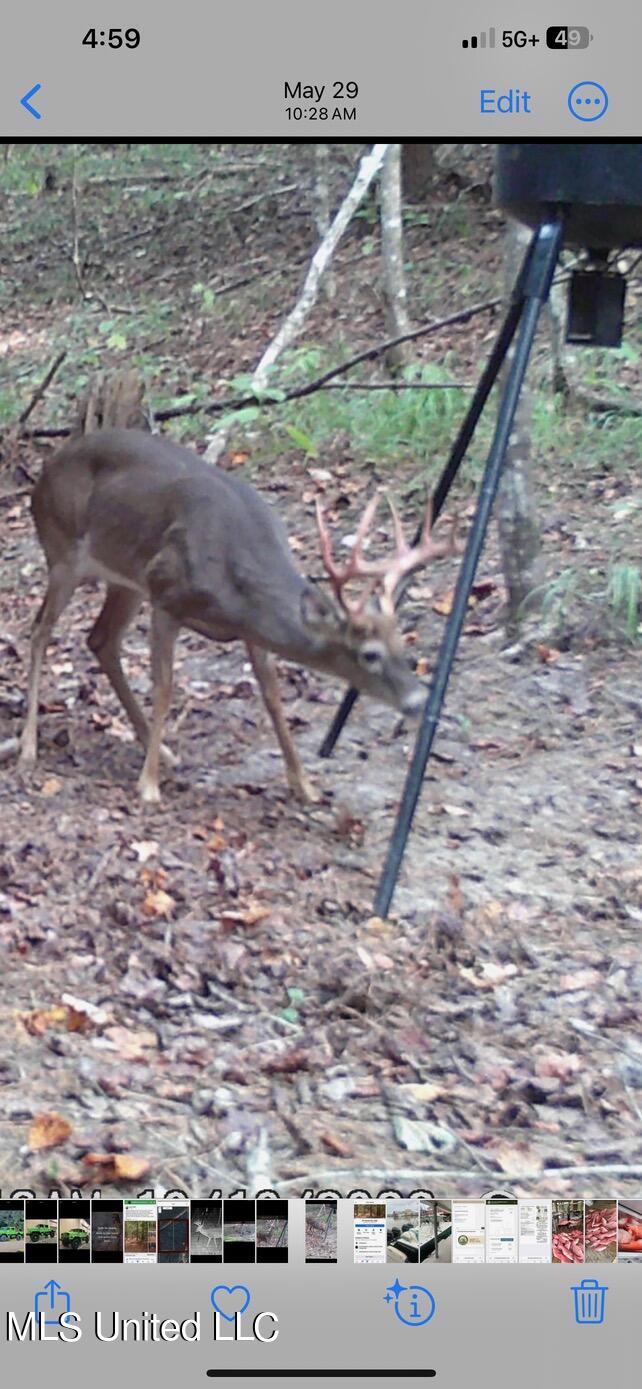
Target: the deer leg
(62, 582)
(118, 611)
(263, 667)
(163, 638)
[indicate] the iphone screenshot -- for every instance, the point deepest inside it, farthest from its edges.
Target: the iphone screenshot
(320, 702)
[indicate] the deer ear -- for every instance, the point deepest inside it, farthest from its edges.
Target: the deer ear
(322, 618)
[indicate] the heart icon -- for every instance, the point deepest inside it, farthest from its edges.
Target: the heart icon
(234, 1299)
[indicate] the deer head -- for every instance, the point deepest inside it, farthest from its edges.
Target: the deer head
(358, 636)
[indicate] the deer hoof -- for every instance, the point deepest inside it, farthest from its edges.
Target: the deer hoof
(304, 790)
(148, 791)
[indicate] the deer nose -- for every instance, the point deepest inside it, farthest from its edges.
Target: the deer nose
(413, 702)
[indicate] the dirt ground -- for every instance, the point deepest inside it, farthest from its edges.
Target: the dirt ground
(199, 997)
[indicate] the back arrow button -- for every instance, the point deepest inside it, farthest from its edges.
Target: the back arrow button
(26, 100)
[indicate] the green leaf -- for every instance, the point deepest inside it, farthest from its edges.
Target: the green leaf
(301, 439)
(290, 1014)
(268, 393)
(245, 416)
(296, 995)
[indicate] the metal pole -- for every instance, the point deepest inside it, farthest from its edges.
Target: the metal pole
(537, 284)
(457, 454)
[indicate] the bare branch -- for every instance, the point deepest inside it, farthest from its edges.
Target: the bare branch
(40, 390)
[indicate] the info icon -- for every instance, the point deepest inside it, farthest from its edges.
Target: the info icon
(414, 1305)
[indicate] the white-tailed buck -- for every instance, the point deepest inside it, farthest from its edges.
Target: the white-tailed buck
(155, 521)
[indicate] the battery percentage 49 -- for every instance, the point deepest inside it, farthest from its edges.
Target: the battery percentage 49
(564, 36)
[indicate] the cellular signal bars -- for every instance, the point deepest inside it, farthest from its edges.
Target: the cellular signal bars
(482, 40)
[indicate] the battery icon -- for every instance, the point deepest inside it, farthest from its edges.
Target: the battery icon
(567, 36)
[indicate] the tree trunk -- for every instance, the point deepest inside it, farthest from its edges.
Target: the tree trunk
(418, 171)
(114, 400)
(516, 506)
(398, 321)
(292, 324)
(321, 198)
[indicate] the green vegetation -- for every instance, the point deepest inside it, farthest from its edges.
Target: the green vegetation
(177, 260)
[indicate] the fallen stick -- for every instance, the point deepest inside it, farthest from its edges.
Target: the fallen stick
(40, 390)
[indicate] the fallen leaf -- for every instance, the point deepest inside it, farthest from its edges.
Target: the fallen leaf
(287, 1064)
(491, 975)
(88, 1012)
(377, 923)
(579, 979)
(563, 1064)
(333, 1144)
(132, 1046)
(421, 1137)
(145, 849)
(158, 903)
(248, 915)
(116, 1167)
(48, 1130)
(63, 1016)
(547, 654)
(383, 961)
(423, 1093)
(517, 1159)
(350, 827)
(51, 786)
(443, 604)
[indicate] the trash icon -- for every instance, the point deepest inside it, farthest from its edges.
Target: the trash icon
(589, 1299)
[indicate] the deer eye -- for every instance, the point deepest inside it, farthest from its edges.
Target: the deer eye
(372, 656)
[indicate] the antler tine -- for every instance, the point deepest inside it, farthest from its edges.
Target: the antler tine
(364, 526)
(427, 526)
(326, 544)
(400, 539)
(341, 574)
(389, 572)
(408, 558)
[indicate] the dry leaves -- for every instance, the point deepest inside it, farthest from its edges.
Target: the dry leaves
(63, 1016)
(422, 1093)
(157, 901)
(131, 1046)
(248, 915)
(333, 1144)
(491, 975)
(517, 1159)
(51, 786)
(116, 1167)
(579, 979)
(562, 1064)
(375, 961)
(145, 849)
(48, 1130)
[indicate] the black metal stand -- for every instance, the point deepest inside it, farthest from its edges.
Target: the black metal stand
(530, 293)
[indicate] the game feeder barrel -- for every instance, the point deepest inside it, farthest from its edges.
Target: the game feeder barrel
(596, 186)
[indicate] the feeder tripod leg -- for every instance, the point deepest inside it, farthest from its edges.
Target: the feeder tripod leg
(539, 273)
(457, 453)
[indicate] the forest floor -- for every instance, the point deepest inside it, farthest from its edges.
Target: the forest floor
(198, 995)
